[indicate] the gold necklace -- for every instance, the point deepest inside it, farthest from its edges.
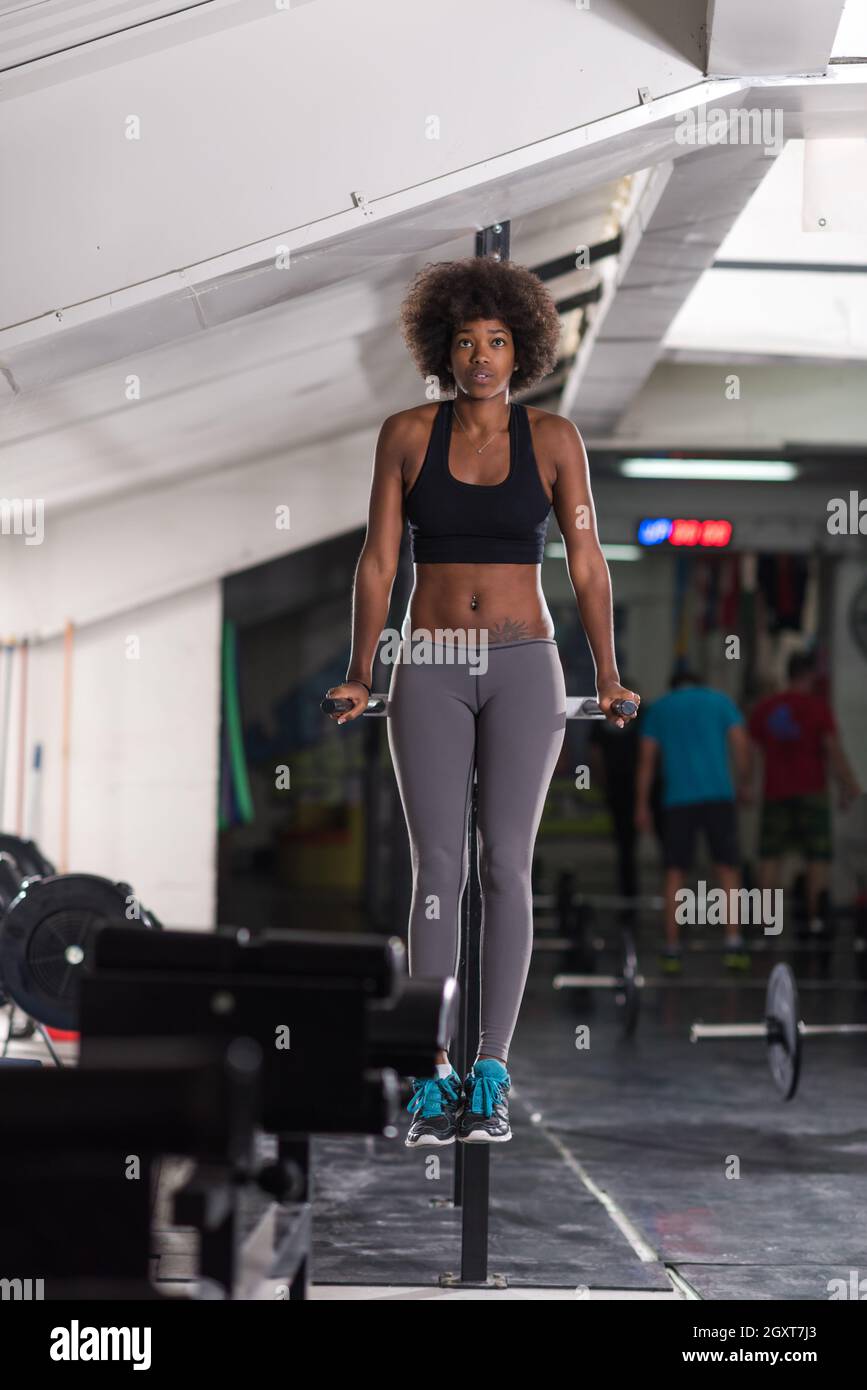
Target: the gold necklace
(487, 441)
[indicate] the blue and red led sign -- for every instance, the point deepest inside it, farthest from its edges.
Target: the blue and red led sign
(663, 530)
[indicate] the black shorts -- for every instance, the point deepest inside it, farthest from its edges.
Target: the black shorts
(681, 824)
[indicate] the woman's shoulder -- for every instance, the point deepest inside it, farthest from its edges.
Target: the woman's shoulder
(549, 421)
(404, 424)
(555, 440)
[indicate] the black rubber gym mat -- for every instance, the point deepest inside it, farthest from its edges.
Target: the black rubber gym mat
(756, 1283)
(652, 1123)
(375, 1222)
(743, 1194)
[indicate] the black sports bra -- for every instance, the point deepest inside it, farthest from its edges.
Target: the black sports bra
(452, 522)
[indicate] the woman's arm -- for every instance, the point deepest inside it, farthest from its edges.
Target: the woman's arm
(576, 517)
(377, 564)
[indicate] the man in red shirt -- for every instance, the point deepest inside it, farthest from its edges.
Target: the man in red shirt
(797, 734)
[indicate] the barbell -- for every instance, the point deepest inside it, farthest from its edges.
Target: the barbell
(626, 986)
(783, 1030)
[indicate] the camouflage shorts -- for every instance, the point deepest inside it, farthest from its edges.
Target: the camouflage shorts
(799, 824)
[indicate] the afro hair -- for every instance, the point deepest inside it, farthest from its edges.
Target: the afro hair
(445, 294)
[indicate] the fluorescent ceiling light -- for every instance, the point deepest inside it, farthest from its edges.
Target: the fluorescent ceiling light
(623, 552)
(720, 470)
(556, 550)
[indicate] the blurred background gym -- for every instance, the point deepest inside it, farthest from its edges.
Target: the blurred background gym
(210, 218)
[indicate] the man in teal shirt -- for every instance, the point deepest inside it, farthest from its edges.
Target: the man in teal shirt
(695, 734)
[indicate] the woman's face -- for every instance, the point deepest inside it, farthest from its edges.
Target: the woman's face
(482, 358)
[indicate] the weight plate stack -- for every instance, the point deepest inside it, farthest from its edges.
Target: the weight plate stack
(46, 936)
(27, 855)
(10, 880)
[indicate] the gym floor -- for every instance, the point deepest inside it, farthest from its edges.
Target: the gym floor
(619, 1180)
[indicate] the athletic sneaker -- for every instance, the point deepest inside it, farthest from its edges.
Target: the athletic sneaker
(736, 957)
(485, 1116)
(670, 960)
(436, 1103)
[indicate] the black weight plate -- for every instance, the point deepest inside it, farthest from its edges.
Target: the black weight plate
(45, 939)
(10, 880)
(782, 1014)
(628, 996)
(28, 856)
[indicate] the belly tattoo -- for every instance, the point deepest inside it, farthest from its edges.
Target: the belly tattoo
(509, 630)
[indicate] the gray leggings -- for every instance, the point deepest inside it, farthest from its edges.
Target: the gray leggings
(512, 720)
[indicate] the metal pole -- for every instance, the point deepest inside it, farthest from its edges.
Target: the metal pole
(472, 1163)
(470, 988)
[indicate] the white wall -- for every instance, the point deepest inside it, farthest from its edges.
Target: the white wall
(102, 559)
(144, 742)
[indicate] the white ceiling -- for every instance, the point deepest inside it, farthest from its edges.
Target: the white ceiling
(239, 362)
(260, 383)
(851, 37)
(792, 312)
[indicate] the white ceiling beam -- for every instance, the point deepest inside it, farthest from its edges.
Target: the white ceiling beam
(768, 37)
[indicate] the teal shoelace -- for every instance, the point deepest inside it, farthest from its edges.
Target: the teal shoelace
(427, 1098)
(485, 1092)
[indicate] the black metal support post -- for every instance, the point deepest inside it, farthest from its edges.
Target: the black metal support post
(494, 241)
(472, 1163)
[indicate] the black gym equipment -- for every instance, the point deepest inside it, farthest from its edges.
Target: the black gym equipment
(46, 932)
(10, 880)
(782, 1029)
(352, 1016)
(10, 883)
(472, 1161)
(328, 1018)
(77, 1214)
(335, 1017)
(19, 860)
(27, 855)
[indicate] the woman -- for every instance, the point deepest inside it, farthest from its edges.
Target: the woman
(476, 475)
